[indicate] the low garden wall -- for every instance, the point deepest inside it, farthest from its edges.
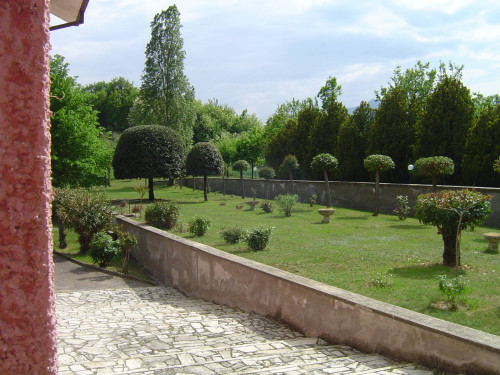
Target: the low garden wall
(355, 195)
(311, 307)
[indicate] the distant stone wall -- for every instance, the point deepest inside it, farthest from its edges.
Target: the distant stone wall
(314, 308)
(355, 195)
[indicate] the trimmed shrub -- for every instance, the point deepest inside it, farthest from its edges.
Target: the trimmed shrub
(258, 238)
(233, 235)
(402, 208)
(286, 203)
(267, 207)
(149, 151)
(451, 212)
(103, 249)
(267, 173)
(162, 215)
(86, 212)
(199, 225)
(204, 159)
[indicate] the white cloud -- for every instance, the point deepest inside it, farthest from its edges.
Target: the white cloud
(442, 6)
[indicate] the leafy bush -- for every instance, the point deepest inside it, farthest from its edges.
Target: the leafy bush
(451, 288)
(199, 225)
(233, 235)
(127, 242)
(86, 212)
(434, 166)
(290, 162)
(258, 238)
(496, 165)
(402, 208)
(286, 203)
(267, 206)
(162, 215)
(103, 249)
(312, 200)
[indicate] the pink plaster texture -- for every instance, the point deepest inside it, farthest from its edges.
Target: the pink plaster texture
(27, 309)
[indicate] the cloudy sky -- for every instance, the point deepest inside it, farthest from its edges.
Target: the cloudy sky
(260, 53)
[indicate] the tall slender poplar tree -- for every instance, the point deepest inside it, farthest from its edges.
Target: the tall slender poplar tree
(166, 95)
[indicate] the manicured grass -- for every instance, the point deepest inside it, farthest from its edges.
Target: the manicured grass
(351, 251)
(73, 250)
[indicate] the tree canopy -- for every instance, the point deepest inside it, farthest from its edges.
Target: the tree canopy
(204, 159)
(80, 150)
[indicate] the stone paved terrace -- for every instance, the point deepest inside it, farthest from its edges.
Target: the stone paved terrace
(157, 330)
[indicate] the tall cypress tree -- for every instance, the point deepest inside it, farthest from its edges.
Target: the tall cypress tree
(446, 122)
(165, 91)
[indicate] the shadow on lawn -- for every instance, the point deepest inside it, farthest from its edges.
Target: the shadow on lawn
(408, 226)
(422, 271)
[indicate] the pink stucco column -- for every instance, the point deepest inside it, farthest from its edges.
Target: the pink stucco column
(27, 314)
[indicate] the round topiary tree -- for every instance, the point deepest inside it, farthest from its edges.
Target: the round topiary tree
(204, 159)
(433, 167)
(267, 173)
(148, 151)
(325, 162)
(377, 164)
(240, 166)
(290, 163)
(450, 212)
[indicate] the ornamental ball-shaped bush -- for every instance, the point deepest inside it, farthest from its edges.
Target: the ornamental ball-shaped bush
(324, 161)
(267, 173)
(148, 151)
(434, 166)
(378, 163)
(199, 225)
(103, 249)
(258, 238)
(267, 206)
(290, 162)
(241, 165)
(162, 215)
(204, 159)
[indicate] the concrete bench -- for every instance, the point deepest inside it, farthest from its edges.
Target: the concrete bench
(493, 239)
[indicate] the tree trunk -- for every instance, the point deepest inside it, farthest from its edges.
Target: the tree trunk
(377, 193)
(242, 186)
(151, 192)
(251, 165)
(434, 183)
(223, 184)
(62, 235)
(267, 190)
(328, 195)
(205, 187)
(291, 179)
(194, 183)
(451, 254)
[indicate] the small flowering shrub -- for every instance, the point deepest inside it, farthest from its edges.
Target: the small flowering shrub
(312, 200)
(267, 207)
(258, 238)
(162, 215)
(286, 203)
(381, 281)
(233, 235)
(199, 225)
(402, 208)
(103, 249)
(451, 288)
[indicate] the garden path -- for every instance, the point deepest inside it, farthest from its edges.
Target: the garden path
(109, 325)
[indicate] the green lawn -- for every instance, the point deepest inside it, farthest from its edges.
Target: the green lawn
(351, 251)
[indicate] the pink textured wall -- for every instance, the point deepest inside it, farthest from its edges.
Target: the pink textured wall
(27, 315)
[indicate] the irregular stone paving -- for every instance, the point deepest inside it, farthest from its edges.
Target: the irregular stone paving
(156, 330)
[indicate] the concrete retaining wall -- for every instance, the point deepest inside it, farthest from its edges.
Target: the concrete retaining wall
(311, 307)
(355, 195)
